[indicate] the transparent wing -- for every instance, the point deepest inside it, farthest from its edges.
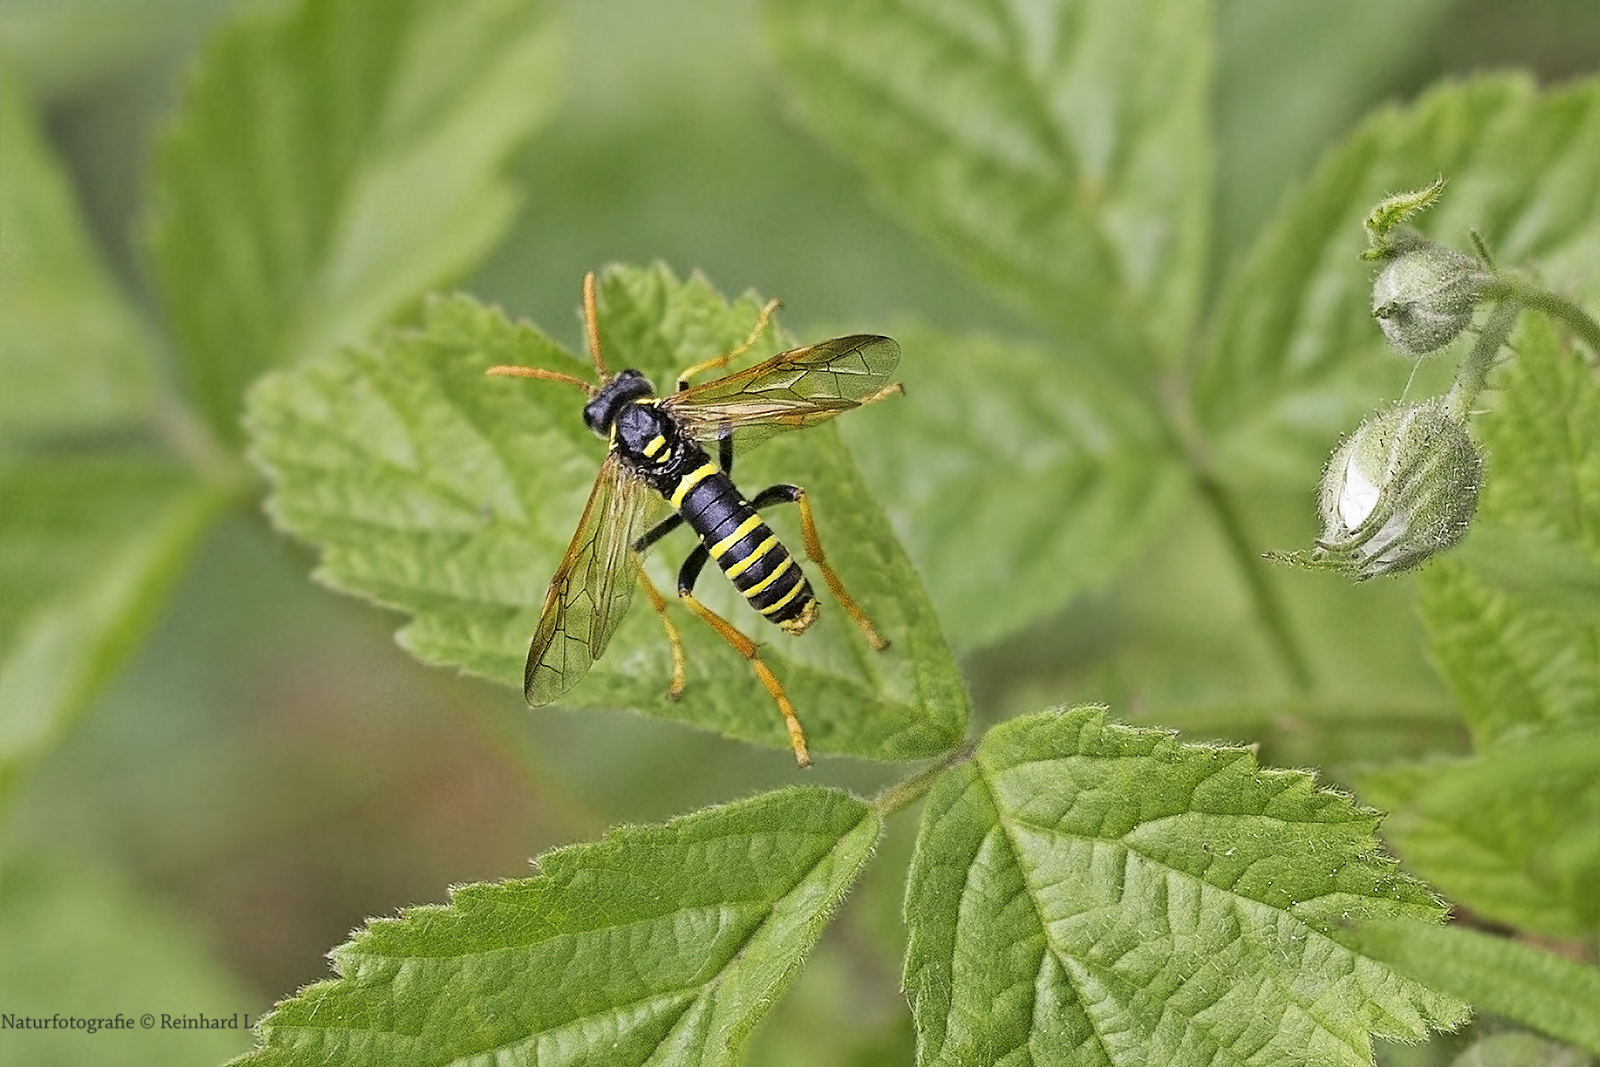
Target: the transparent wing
(793, 389)
(592, 587)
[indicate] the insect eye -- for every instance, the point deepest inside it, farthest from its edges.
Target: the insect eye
(602, 411)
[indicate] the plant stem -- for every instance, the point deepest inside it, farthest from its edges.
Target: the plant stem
(1474, 370)
(1269, 606)
(1511, 288)
(899, 795)
(183, 432)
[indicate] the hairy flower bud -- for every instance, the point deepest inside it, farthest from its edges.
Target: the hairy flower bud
(1424, 295)
(1399, 489)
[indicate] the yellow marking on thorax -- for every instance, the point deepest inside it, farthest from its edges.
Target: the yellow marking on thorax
(690, 480)
(721, 547)
(744, 564)
(656, 444)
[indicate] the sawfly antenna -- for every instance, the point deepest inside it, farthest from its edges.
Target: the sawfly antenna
(591, 327)
(591, 323)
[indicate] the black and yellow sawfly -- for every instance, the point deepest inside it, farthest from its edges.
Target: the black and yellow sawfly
(656, 443)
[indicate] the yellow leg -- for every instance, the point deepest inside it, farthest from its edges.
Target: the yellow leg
(723, 360)
(675, 690)
(752, 652)
(808, 531)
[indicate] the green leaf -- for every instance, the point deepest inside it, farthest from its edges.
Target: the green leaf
(1530, 566)
(1017, 481)
(1509, 833)
(53, 918)
(65, 50)
(87, 550)
(1294, 358)
(453, 497)
(332, 161)
(1291, 78)
(1519, 659)
(1088, 893)
(1519, 1049)
(73, 355)
(1060, 151)
(657, 944)
(1499, 976)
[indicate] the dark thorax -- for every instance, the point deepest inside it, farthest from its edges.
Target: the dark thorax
(647, 439)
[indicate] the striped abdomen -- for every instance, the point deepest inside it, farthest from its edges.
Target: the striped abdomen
(745, 547)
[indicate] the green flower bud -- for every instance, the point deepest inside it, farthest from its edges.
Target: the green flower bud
(1399, 489)
(1424, 295)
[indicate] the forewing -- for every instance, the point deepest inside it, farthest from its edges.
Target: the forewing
(592, 587)
(793, 389)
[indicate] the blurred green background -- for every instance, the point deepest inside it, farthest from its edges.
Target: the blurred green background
(270, 769)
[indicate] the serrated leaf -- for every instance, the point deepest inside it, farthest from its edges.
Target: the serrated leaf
(1061, 151)
(453, 497)
(73, 355)
(1017, 481)
(1500, 976)
(332, 161)
(1519, 659)
(1086, 893)
(1295, 358)
(1509, 833)
(657, 944)
(87, 549)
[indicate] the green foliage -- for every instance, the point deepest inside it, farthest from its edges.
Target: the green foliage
(1520, 1049)
(1293, 358)
(1104, 425)
(657, 944)
(1511, 829)
(262, 259)
(333, 161)
(74, 357)
(1517, 981)
(671, 941)
(1013, 433)
(1059, 151)
(1519, 658)
(55, 917)
(89, 545)
(1085, 207)
(1073, 874)
(87, 551)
